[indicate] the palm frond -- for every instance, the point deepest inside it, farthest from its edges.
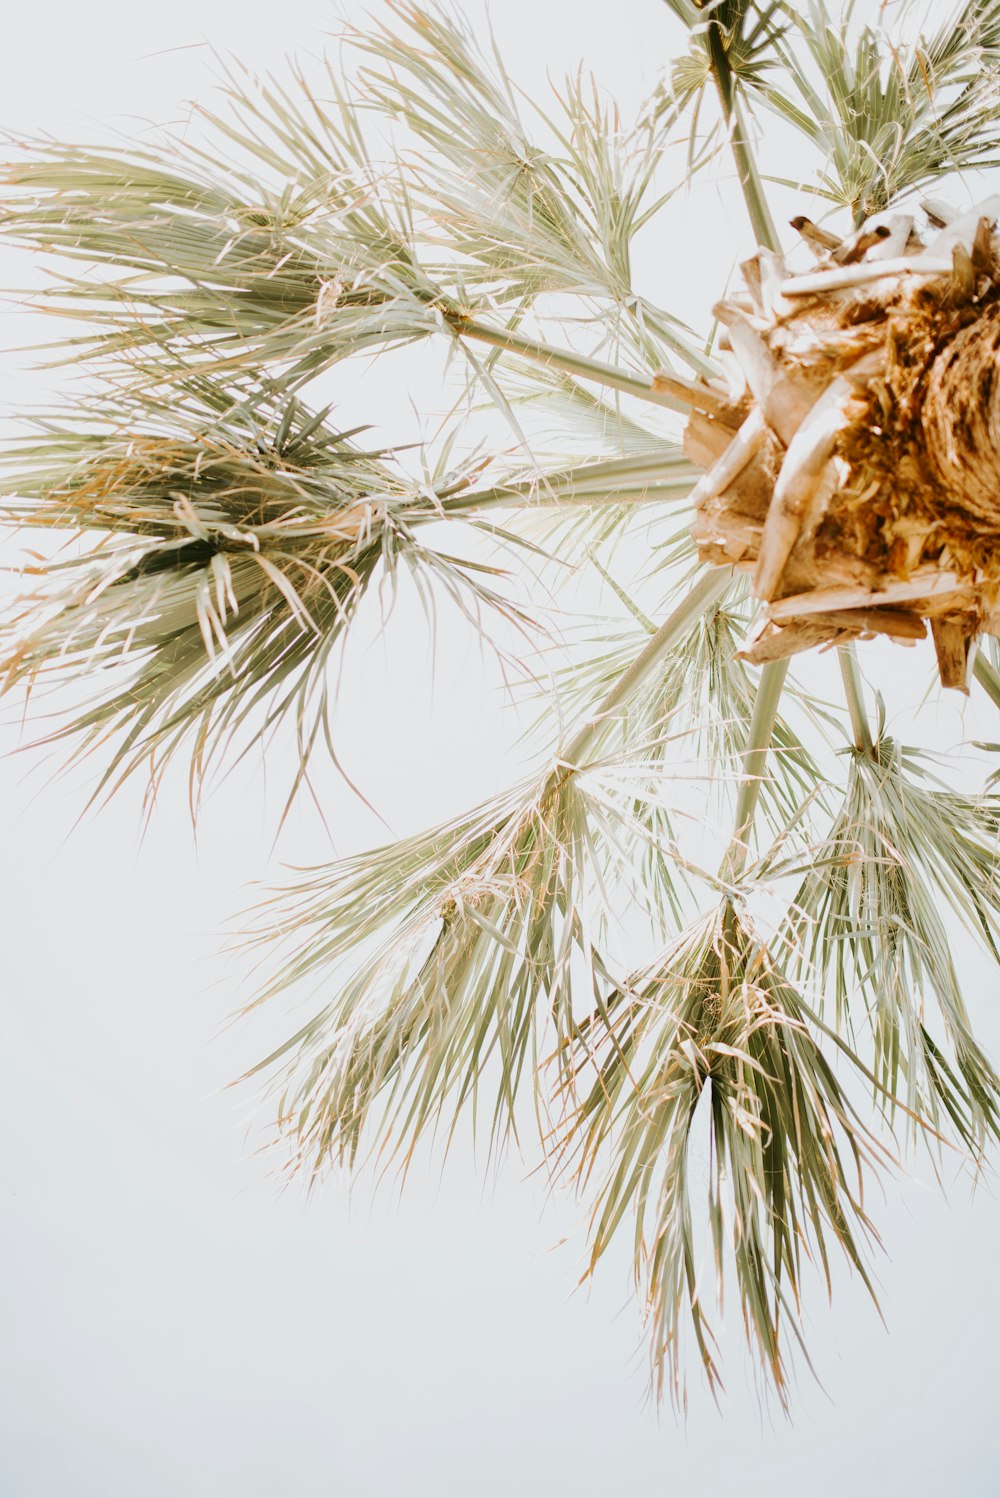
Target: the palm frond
(731, 41)
(281, 241)
(220, 545)
(478, 936)
(870, 926)
(890, 115)
(541, 219)
(247, 266)
(213, 554)
(482, 934)
(711, 1048)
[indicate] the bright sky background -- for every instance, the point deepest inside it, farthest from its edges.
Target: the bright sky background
(176, 1323)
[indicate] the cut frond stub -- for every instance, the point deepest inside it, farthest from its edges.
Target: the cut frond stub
(870, 503)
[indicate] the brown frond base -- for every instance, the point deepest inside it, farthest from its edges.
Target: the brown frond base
(859, 477)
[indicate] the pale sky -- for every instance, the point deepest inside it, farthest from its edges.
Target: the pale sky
(180, 1323)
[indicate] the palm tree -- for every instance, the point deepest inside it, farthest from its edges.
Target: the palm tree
(818, 470)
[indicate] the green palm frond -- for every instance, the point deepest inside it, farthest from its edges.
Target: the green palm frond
(889, 119)
(481, 931)
(733, 46)
(731, 42)
(224, 550)
(506, 202)
(479, 938)
(711, 1048)
(281, 241)
(267, 263)
(227, 541)
(870, 923)
(540, 219)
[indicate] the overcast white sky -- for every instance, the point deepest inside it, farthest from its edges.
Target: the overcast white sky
(177, 1325)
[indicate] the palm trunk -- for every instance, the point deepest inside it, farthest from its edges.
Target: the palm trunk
(869, 500)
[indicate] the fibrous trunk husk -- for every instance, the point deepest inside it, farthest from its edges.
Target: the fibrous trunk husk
(858, 477)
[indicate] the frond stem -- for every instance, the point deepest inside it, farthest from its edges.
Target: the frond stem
(987, 677)
(772, 678)
(707, 591)
(765, 712)
(752, 188)
(615, 482)
(854, 690)
(643, 386)
(739, 141)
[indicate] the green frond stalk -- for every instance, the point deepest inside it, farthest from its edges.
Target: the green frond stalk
(733, 43)
(705, 592)
(728, 38)
(987, 676)
(854, 693)
(758, 745)
(698, 707)
(644, 387)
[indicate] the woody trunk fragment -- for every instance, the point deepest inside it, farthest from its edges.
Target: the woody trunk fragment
(857, 478)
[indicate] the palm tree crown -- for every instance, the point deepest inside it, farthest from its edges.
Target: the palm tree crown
(817, 468)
